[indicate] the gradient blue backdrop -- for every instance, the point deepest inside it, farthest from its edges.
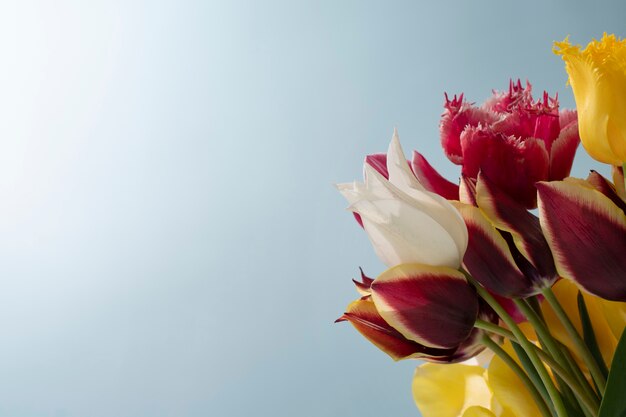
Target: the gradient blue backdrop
(170, 240)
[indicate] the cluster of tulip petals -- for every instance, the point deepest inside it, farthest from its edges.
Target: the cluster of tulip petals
(514, 311)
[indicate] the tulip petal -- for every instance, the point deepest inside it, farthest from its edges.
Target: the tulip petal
(615, 314)
(508, 215)
(595, 75)
(378, 161)
(422, 227)
(458, 116)
(400, 173)
(467, 190)
(618, 180)
(362, 314)
(488, 258)
(587, 235)
(514, 164)
(563, 151)
(472, 346)
(605, 187)
(567, 294)
(449, 390)
(508, 389)
(363, 286)
(401, 176)
(434, 306)
(478, 411)
(432, 180)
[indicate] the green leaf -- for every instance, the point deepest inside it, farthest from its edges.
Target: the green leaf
(614, 401)
(589, 335)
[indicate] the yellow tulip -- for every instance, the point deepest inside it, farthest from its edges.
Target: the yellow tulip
(597, 75)
(449, 390)
(460, 390)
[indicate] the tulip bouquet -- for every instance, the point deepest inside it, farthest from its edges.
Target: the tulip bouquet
(514, 311)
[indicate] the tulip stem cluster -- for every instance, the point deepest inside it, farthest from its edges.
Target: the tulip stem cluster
(532, 389)
(553, 392)
(598, 377)
(574, 389)
(576, 382)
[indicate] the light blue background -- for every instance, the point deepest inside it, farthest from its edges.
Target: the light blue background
(170, 240)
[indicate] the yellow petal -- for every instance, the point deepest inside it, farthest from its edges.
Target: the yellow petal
(615, 314)
(508, 389)
(566, 292)
(478, 411)
(597, 75)
(449, 390)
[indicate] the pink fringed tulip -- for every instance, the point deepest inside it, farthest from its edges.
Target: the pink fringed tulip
(511, 138)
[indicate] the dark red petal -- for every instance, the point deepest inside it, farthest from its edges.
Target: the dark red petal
(358, 219)
(563, 152)
(434, 306)
(587, 235)
(510, 216)
(363, 286)
(488, 258)
(473, 345)
(431, 179)
(362, 314)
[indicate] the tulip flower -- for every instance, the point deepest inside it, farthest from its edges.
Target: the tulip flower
(586, 232)
(422, 312)
(511, 138)
(597, 76)
(461, 390)
(406, 223)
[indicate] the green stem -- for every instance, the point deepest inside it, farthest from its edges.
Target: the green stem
(590, 402)
(501, 353)
(555, 351)
(555, 396)
(580, 345)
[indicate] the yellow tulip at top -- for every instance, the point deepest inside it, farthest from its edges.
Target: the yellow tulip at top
(597, 75)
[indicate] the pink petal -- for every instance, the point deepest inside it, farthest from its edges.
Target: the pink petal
(587, 235)
(513, 164)
(431, 179)
(457, 116)
(563, 152)
(378, 161)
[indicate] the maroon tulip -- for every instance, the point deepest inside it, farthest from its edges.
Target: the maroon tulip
(420, 312)
(586, 231)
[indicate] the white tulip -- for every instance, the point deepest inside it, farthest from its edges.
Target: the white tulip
(406, 223)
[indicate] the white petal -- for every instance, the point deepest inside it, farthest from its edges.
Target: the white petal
(400, 233)
(400, 174)
(432, 204)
